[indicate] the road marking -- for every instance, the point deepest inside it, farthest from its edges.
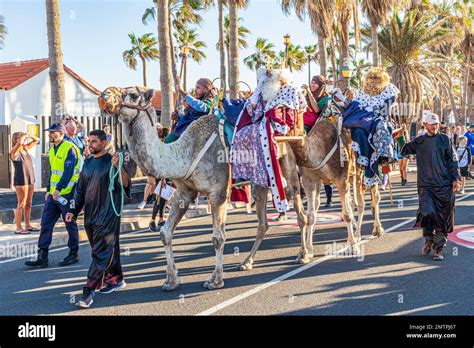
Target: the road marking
(420, 309)
(296, 271)
(86, 242)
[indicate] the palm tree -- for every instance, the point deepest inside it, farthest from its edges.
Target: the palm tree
(359, 69)
(234, 44)
(321, 15)
(264, 52)
(344, 11)
(377, 12)
(56, 66)
(416, 70)
(166, 75)
(220, 7)
(189, 46)
(3, 32)
(311, 56)
(295, 58)
(143, 47)
(182, 13)
(243, 32)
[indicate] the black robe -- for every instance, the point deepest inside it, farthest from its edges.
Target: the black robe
(438, 168)
(100, 222)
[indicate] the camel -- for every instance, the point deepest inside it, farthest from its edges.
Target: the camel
(174, 161)
(308, 154)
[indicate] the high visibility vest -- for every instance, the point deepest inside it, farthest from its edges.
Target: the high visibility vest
(56, 161)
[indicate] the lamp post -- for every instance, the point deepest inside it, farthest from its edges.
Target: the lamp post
(286, 41)
(346, 73)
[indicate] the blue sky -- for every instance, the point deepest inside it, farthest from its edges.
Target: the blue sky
(95, 33)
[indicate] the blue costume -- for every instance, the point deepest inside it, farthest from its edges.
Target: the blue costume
(367, 117)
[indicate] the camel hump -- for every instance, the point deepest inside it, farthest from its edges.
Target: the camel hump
(204, 125)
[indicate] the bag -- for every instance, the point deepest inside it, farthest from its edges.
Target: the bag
(165, 192)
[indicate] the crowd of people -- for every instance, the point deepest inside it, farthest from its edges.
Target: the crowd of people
(80, 164)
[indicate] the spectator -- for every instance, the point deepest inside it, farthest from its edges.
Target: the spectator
(64, 174)
(464, 155)
(470, 143)
(74, 132)
(110, 147)
(23, 179)
(438, 179)
(401, 138)
(159, 205)
(454, 136)
(422, 131)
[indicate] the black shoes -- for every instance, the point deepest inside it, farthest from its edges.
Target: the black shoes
(109, 288)
(87, 298)
(41, 261)
(404, 182)
(328, 205)
(72, 258)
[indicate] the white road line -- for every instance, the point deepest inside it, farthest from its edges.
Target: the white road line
(420, 309)
(86, 242)
(296, 271)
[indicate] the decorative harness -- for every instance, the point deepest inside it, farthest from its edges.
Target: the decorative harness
(111, 100)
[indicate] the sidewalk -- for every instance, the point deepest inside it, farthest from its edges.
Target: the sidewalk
(13, 245)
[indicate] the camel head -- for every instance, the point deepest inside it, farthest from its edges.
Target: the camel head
(127, 104)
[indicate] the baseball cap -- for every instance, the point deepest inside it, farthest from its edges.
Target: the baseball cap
(432, 118)
(56, 127)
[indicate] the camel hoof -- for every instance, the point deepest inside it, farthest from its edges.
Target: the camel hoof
(303, 260)
(378, 231)
(354, 250)
(213, 285)
(170, 286)
(245, 266)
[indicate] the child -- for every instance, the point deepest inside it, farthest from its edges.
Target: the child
(464, 155)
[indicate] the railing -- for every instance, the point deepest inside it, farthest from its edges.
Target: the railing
(90, 123)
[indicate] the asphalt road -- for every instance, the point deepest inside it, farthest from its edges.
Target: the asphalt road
(390, 277)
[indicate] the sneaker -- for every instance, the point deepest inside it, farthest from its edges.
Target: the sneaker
(109, 288)
(438, 255)
(427, 247)
(463, 192)
(87, 298)
(281, 217)
(328, 205)
(152, 226)
(142, 205)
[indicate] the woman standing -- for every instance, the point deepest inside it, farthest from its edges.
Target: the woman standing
(401, 137)
(23, 179)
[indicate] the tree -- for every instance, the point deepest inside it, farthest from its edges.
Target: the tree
(263, 53)
(243, 32)
(56, 66)
(234, 44)
(189, 46)
(321, 15)
(3, 32)
(166, 76)
(377, 12)
(311, 56)
(416, 70)
(295, 59)
(143, 47)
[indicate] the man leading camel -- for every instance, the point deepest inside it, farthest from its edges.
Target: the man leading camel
(198, 106)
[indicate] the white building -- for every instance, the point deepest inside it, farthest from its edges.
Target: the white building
(25, 92)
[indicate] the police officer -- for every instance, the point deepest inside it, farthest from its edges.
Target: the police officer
(64, 174)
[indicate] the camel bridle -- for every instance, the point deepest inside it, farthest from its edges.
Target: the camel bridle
(111, 100)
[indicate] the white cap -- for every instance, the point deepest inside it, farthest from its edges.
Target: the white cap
(432, 118)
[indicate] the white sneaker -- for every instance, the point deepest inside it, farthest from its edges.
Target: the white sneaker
(142, 205)
(463, 192)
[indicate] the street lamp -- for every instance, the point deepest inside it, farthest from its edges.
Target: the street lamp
(286, 41)
(345, 71)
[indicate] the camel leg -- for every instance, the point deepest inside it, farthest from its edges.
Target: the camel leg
(344, 192)
(375, 202)
(360, 202)
(312, 189)
(179, 206)
(219, 212)
(260, 197)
